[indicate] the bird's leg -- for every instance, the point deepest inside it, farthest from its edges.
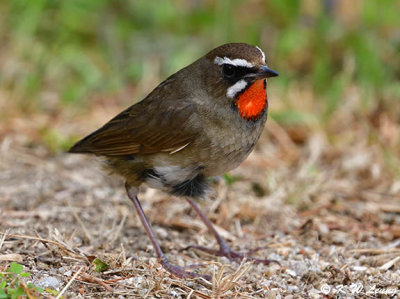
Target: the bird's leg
(173, 269)
(224, 249)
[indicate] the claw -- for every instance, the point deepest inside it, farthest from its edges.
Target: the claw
(181, 272)
(224, 249)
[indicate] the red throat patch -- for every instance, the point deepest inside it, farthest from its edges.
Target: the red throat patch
(252, 102)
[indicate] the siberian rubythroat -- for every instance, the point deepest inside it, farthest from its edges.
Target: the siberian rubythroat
(200, 122)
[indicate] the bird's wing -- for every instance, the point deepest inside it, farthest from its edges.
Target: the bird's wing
(148, 127)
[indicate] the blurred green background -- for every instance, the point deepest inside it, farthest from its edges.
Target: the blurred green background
(62, 54)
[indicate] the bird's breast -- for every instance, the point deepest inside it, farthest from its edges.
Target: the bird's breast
(226, 142)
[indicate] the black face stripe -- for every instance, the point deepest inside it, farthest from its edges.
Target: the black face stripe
(232, 73)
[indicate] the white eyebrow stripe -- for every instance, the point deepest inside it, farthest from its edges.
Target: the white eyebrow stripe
(235, 88)
(235, 62)
(262, 53)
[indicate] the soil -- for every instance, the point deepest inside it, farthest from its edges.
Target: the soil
(326, 210)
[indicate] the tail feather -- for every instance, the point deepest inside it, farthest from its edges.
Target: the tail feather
(81, 147)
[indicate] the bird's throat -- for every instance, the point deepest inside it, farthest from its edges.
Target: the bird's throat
(253, 101)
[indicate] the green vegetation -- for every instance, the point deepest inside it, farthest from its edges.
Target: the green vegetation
(59, 56)
(231, 179)
(75, 49)
(100, 266)
(12, 285)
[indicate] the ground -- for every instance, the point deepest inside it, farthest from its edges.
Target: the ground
(327, 211)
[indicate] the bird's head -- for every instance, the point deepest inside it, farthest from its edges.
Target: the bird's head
(237, 72)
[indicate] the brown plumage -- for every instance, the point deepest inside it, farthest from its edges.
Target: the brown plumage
(187, 129)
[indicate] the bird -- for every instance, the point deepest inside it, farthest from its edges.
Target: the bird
(200, 122)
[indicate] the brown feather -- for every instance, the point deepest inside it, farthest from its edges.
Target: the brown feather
(144, 128)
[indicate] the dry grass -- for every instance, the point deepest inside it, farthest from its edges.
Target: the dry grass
(322, 200)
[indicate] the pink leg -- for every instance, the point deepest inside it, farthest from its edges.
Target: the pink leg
(224, 249)
(175, 270)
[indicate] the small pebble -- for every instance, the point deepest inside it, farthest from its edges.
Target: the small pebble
(291, 272)
(293, 288)
(49, 282)
(360, 268)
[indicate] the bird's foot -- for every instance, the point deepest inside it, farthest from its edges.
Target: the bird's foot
(231, 255)
(180, 272)
(224, 249)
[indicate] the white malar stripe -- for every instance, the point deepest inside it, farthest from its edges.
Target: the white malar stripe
(235, 62)
(262, 53)
(235, 88)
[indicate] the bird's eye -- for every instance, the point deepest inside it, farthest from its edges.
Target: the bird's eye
(228, 71)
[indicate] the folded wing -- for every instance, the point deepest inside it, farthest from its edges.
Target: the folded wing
(145, 128)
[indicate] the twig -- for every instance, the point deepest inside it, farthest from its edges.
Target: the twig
(89, 278)
(85, 230)
(118, 279)
(70, 282)
(3, 238)
(31, 238)
(374, 250)
(389, 264)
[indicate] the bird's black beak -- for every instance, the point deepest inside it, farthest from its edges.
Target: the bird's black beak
(266, 72)
(261, 73)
